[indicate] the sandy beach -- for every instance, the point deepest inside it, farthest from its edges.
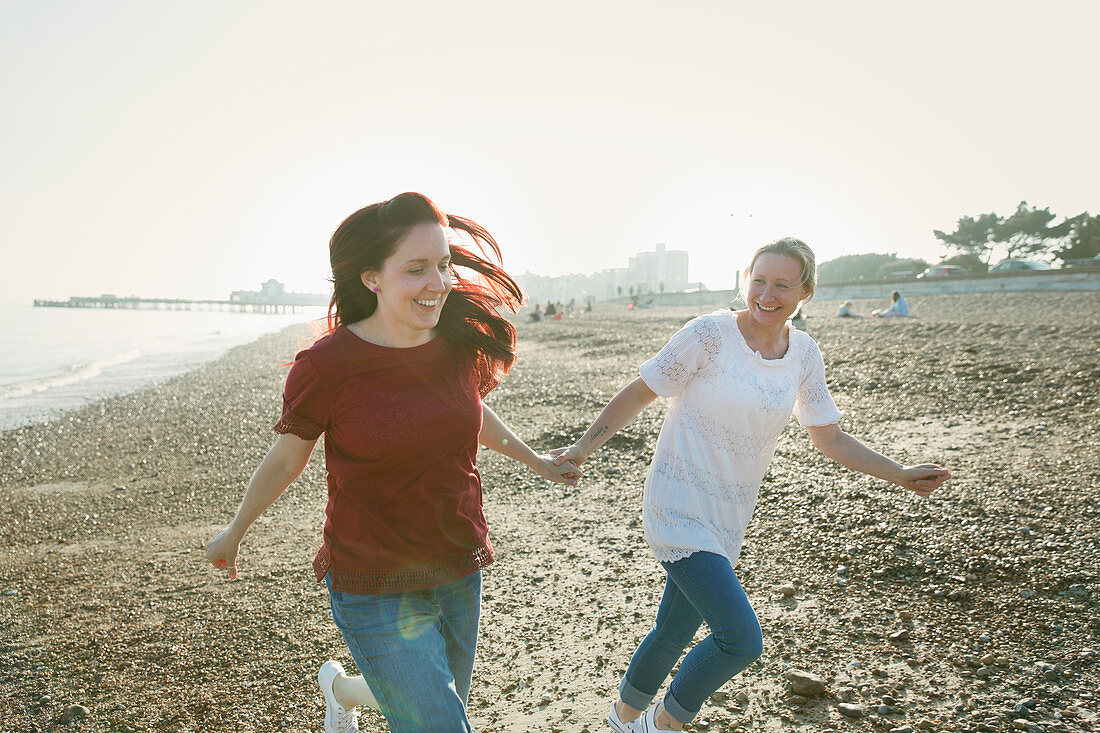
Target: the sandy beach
(973, 610)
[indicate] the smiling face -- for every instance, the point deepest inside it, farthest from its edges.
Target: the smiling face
(412, 285)
(775, 289)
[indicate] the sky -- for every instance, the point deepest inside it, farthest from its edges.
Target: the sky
(188, 148)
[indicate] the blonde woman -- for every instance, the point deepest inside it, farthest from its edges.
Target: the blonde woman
(734, 379)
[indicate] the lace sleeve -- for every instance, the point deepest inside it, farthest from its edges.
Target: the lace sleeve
(690, 349)
(814, 404)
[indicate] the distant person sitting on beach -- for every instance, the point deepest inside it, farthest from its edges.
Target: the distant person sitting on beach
(845, 310)
(396, 387)
(734, 378)
(536, 315)
(551, 309)
(897, 309)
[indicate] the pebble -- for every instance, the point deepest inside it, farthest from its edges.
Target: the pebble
(742, 697)
(805, 683)
(902, 635)
(902, 729)
(849, 710)
(74, 712)
(786, 589)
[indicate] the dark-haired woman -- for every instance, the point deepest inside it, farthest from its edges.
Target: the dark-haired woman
(735, 378)
(396, 388)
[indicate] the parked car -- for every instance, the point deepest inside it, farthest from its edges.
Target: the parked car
(1013, 265)
(942, 271)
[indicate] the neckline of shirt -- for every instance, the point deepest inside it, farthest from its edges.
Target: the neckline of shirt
(740, 337)
(436, 340)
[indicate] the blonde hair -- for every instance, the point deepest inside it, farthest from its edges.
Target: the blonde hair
(796, 249)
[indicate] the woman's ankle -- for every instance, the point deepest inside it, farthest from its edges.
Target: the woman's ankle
(626, 713)
(665, 721)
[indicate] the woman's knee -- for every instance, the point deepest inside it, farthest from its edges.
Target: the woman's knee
(746, 643)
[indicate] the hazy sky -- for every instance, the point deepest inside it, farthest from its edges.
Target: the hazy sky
(192, 148)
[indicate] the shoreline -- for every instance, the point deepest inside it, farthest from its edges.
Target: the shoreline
(949, 607)
(46, 416)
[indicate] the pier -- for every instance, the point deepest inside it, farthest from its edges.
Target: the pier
(271, 298)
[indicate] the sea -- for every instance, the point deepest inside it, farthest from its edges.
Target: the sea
(58, 359)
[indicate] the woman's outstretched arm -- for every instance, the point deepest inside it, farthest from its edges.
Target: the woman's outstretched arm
(620, 411)
(282, 464)
(497, 436)
(846, 450)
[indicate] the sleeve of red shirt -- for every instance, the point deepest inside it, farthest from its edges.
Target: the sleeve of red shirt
(307, 402)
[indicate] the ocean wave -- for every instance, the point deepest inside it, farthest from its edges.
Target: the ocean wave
(74, 374)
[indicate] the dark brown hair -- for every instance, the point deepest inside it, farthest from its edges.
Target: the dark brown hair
(470, 317)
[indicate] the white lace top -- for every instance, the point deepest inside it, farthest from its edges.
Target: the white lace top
(728, 408)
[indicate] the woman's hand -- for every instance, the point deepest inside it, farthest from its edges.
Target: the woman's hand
(222, 551)
(573, 454)
(563, 472)
(922, 480)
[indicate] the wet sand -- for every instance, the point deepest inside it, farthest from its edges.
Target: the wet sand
(973, 610)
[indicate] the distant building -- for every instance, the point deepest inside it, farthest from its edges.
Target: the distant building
(274, 291)
(661, 270)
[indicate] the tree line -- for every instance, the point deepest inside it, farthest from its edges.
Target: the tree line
(1029, 232)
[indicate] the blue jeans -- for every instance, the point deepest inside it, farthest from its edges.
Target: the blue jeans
(701, 587)
(416, 651)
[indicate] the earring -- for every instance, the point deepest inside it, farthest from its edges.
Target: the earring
(377, 290)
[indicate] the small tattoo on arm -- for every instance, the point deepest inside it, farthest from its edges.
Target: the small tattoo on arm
(599, 431)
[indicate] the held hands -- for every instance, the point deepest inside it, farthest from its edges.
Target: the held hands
(560, 472)
(923, 479)
(222, 551)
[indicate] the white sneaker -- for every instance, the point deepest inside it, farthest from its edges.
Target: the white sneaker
(338, 719)
(618, 725)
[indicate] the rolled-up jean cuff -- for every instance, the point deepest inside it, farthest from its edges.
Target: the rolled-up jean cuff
(634, 697)
(678, 711)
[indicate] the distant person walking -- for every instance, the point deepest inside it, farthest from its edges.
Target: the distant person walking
(734, 379)
(898, 308)
(396, 388)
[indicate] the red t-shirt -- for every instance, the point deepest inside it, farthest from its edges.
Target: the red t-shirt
(401, 425)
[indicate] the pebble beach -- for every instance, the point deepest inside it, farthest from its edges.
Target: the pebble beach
(975, 609)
